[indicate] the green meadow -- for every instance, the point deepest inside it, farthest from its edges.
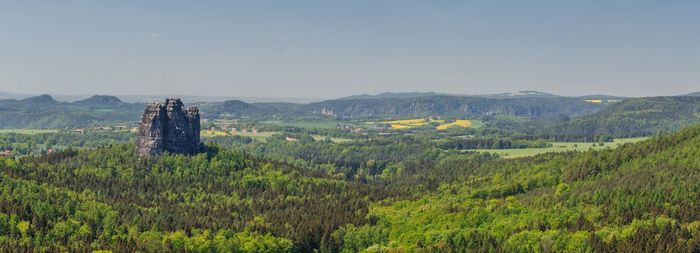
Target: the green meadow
(558, 147)
(28, 131)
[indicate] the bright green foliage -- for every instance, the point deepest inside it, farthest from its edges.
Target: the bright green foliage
(388, 194)
(631, 118)
(223, 201)
(638, 198)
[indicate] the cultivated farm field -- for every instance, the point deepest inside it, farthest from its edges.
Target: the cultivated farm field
(28, 131)
(559, 147)
(418, 122)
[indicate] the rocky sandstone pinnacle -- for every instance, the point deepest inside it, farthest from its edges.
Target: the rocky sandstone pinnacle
(170, 128)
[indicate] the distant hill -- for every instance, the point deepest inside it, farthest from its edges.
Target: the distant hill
(98, 100)
(593, 115)
(694, 94)
(211, 99)
(42, 99)
(452, 106)
(411, 107)
(605, 97)
(521, 94)
(45, 112)
(231, 108)
(633, 117)
(36, 103)
(539, 94)
(57, 97)
(384, 95)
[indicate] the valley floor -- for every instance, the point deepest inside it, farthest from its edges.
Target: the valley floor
(558, 147)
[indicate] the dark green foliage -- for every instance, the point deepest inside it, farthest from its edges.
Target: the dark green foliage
(631, 118)
(218, 191)
(637, 198)
(99, 101)
(402, 193)
(490, 143)
(364, 160)
(454, 106)
(44, 112)
(31, 144)
(411, 106)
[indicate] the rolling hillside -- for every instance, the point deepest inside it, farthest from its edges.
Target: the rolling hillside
(453, 106)
(384, 95)
(99, 100)
(546, 112)
(45, 112)
(637, 198)
(631, 118)
(414, 107)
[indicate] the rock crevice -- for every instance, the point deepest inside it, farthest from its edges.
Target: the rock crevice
(170, 128)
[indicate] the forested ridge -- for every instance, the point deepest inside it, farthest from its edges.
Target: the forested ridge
(631, 118)
(45, 112)
(638, 198)
(422, 106)
(540, 117)
(387, 196)
(223, 200)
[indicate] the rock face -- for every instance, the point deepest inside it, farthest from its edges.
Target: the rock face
(170, 128)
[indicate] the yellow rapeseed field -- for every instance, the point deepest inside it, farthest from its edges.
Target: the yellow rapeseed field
(460, 123)
(594, 101)
(399, 126)
(210, 133)
(405, 121)
(410, 123)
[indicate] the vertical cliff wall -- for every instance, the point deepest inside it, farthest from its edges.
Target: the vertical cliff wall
(170, 128)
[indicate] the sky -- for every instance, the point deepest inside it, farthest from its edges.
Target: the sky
(333, 48)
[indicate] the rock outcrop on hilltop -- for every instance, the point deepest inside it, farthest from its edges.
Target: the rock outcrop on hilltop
(170, 128)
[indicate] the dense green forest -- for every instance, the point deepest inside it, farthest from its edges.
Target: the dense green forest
(382, 196)
(38, 143)
(422, 106)
(223, 200)
(539, 116)
(631, 118)
(398, 126)
(638, 198)
(310, 182)
(45, 112)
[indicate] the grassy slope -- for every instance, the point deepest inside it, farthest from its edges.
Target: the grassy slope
(27, 131)
(558, 147)
(262, 136)
(635, 117)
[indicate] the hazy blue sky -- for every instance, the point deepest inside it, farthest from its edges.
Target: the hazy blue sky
(330, 48)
